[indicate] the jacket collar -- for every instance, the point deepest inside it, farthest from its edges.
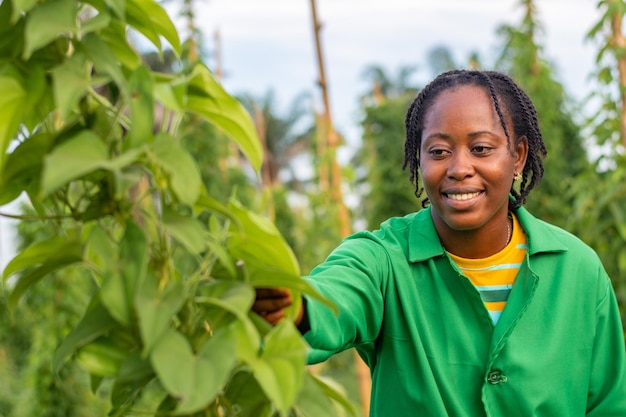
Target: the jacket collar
(424, 242)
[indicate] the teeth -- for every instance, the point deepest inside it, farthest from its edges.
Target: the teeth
(461, 197)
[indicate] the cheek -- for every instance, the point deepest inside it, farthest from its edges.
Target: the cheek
(430, 176)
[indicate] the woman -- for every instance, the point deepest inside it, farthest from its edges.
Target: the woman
(471, 306)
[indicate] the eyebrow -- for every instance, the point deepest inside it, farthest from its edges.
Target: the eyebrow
(446, 136)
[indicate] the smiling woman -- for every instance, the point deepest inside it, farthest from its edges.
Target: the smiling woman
(451, 306)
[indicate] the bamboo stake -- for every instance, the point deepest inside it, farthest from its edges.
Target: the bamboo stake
(332, 138)
(321, 145)
(193, 53)
(266, 175)
(618, 42)
(218, 55)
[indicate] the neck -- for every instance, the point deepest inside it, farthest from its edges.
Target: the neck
(478, 243)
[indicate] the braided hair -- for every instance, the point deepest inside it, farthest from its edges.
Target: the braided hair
(507, 97)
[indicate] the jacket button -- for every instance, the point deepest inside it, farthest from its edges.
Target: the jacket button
(495, 377)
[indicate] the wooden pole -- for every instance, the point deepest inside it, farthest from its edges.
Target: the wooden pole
(193, 54)
(218, 54)
(266, 175)
(332, 139)
(618, 41)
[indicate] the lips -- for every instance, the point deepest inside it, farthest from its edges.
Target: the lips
(462, 196)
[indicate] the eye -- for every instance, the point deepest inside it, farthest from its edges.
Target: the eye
(481, 149)
(437, 152)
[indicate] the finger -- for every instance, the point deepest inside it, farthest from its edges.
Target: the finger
(272, 293)
(272, 304)
(275, 317)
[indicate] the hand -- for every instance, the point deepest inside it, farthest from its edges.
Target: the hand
(270, 303)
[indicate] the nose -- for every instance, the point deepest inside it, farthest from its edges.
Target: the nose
(460, 165)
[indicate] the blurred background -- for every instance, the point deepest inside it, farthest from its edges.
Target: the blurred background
(327, 84)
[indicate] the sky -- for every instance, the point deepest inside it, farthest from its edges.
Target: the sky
(268, 45)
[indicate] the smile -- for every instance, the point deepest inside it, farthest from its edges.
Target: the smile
(463, 196)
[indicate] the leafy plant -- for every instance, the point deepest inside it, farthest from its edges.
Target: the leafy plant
(169, 326)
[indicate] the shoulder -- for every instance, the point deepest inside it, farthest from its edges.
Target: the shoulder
(556, 253)
(411, 238)
(544, 237)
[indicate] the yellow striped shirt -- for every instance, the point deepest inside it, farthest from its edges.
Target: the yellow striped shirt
(494, 276)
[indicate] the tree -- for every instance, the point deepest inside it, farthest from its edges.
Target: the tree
(168, 326)
(523, 59)
(33, 331)
(385, 188)
(599, 195)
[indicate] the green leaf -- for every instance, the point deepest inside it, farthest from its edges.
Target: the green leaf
(120, 283)
(280, 370)
(171, 95)
(269, 261)
(12, 98)
(150, 19)
(207, 98)
(70, 82)
(94, 324)
(39, 253)
(20, 7)
(206, 202)
(30, 278)
(237, 295)
(23, 166)
(115, 38)
(247, 396)
(141, 108)
(118, 7)
(11, 31)
(101, 358)
(77, 156)
(100, 249)
(319, 397)
(39, 101)
(259, 242)
(41, 29)
(215, 360)
(186, 230)
(193, 380)
(96, 23)
(156, 308)
(180, 166)
(134, 368)
(103, 58)
(40, 259)
(248, 337)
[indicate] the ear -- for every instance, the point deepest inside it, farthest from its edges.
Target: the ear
(520, 153)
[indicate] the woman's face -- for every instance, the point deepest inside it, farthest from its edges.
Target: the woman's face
(466, 165)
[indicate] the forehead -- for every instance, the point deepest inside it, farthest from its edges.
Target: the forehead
(466, 104)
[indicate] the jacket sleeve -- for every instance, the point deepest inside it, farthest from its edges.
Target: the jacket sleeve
(351, 278)
(607, 386)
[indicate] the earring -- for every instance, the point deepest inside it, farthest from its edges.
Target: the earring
(517, 176)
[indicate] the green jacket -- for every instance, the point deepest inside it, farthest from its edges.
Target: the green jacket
(557, 351)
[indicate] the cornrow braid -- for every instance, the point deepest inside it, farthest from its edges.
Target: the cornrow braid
(508, 98)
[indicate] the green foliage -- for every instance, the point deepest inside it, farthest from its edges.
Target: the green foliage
(31, 332)
(599, 219)
(165, 327)
(390, 192)
(522, 58)
(599, 195)
(585, 198)
(606, 114)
